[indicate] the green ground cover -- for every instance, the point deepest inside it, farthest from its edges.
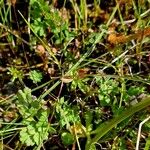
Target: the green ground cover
(74, 74)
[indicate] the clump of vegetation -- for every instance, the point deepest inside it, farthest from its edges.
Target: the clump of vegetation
(74, 74)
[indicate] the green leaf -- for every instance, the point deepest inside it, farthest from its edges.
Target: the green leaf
(16, 74)
(65, 113)
(74, 85)
(24, 137)
(24, 100)
(88, 119)
(34, 133)
(35, 76)
(108, 88)
(147, 145)
(67, 138)
(92, 147)
(133, 91)
(35, 118)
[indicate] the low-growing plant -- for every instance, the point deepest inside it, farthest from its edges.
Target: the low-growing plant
(90, 107)
(108, 89)
(35, 76)
(15, 73)
(34, 115)
(66, 115)
(45, 17)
